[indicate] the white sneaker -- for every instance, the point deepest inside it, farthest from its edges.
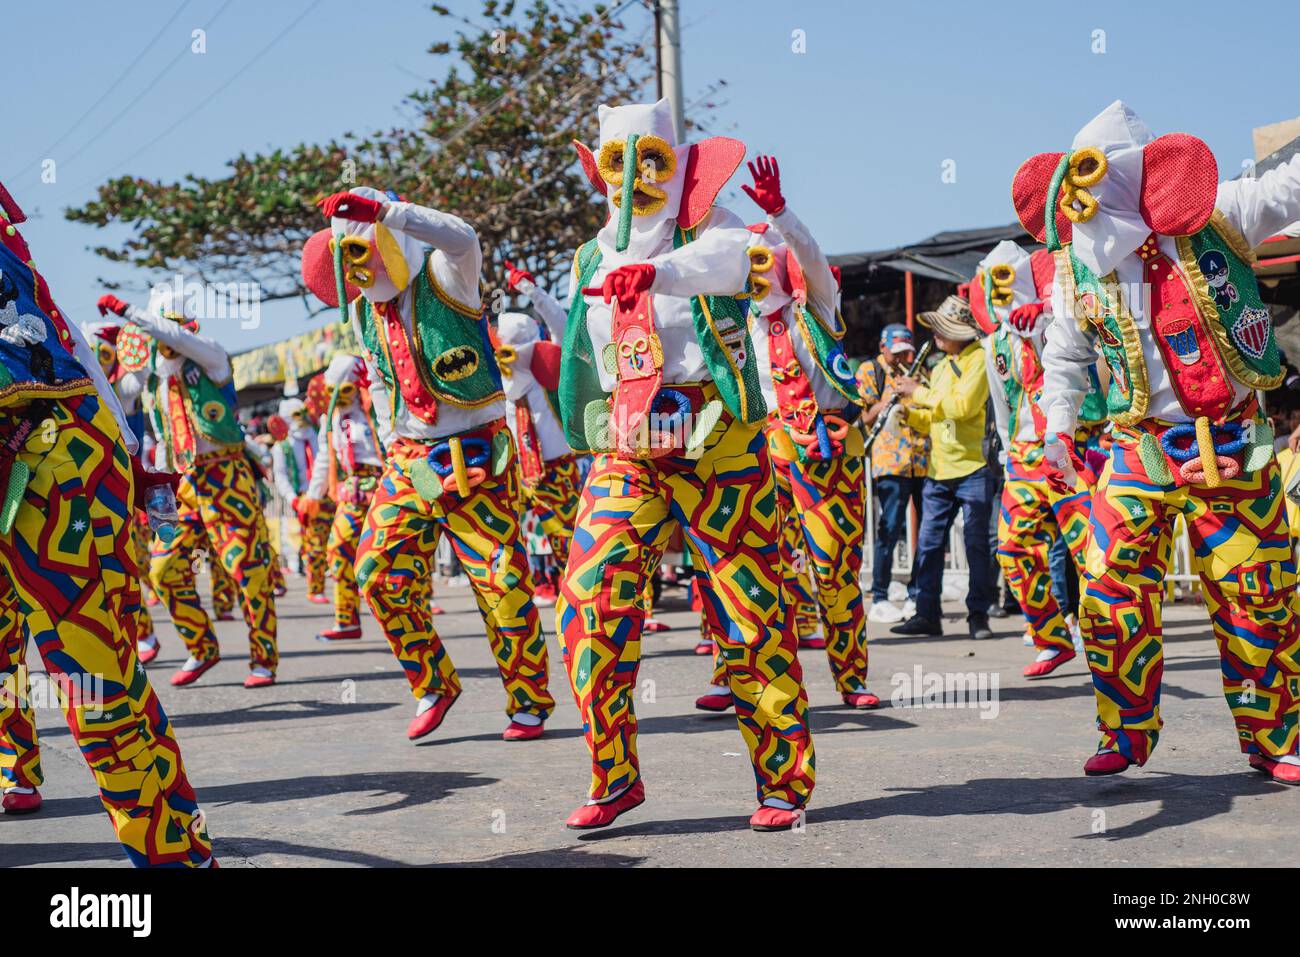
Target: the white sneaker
(909, 609)
(884, 612)
(897, 592)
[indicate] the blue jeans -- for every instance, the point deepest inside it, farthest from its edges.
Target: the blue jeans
(1065, 577)
(893, 492)
(940, 501)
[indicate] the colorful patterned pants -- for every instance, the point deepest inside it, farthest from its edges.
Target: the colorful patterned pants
(725, 501)
(1032, 516)
(395, 564)
(69, 582)
(1242, 551)
(315, 547)
(345, 532)
(554, 499)
(219, 509)
(141, 535)
(823, 522)
(223, 588)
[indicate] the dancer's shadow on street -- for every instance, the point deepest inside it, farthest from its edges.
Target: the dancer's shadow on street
(571, 856)
(298, 710)
(1184, 799)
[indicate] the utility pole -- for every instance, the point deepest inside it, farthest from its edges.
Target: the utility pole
(668, 45)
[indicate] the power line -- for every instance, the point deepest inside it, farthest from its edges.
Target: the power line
(205, 101)
(139, 57)
(143, 93)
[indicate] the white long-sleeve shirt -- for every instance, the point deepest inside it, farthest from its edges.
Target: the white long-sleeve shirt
(823, 294)
(301, 441)
(714, 264)
(1258, 208)
(205, 352)
(457, 261)
(351, 429)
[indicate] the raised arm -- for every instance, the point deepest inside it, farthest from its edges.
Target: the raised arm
(1261, 207)
(547, 306)
(210, 356)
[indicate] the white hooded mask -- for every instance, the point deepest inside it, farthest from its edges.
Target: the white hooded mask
(393, 259)
(1117, 228)
(1022, 289)
(518, 332)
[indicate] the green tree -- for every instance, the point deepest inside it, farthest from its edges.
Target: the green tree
(490, 142)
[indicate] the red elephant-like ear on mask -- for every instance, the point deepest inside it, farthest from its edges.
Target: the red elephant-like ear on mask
(318, 270)
(1029, 195)
(13, 212)
(979, 307)
(588, 160)
(1180, 184)
(709, 164)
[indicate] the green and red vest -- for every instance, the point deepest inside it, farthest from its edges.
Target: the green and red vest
(450, 360)
(721, 326)
(1241, 330)
(210, 408)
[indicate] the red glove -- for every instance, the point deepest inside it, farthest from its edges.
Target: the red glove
(109, 304)
(624, 284)
(1024, 318)
(766, 191)
(359, 209)
(1063, 470)
(145, 480)
(839, 281)
(517, 276)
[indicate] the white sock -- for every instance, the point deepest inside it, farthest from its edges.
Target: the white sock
(718, 689)
(259, 672)
(613, 797)
(192, 664)
(149, 642)
(20, 790)
(778, 803)
(425, 703)
(524, 718)
(1287, 759)
(1047, 654)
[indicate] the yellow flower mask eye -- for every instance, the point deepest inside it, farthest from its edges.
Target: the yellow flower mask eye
(356, 252)
(1087, 168)
(655, 163)
(761, 260)
(347, 392)
(1001, 278)
(506, 356)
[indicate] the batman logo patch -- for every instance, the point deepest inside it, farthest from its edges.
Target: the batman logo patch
(456, 364)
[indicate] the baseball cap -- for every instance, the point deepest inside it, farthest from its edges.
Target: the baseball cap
(897, 338)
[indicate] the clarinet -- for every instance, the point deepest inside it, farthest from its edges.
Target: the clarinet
(879, 425)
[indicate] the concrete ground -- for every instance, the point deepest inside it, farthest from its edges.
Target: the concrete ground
(318, 771)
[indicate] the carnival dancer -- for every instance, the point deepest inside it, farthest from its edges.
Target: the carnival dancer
(659, 379)
(440, 407)
(293, 460)
(190, 400)
(346, 471)
(69, 579)
(1123, 210)
(1010, 297)
(816, 451)
(530, 370)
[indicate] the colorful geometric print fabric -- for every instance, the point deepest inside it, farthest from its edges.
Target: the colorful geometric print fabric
(1242, 552)
(725, 502)
(69, 584)
(219, 508)
(554, 500)
(395, 563)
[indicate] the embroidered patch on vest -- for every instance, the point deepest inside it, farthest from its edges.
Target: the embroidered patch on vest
(1250, 332)
(456, 363)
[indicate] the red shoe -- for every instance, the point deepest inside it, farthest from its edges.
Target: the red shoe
(653, 625)
(775, 818)
(862, 700)
(704, 648)
(522, 732)
(153, 600)
(259, 681)
(436, 609)
(1279, 771)
(714, 702)
(318, 599)
(281, 590)
(428, 722)
(340, 634)
(1106, 762)
(183, 677)
(1041, 669)
(16, 803)
(544, 595)
(602, 815)
(226, 616)
(818, 642)
(147, 653)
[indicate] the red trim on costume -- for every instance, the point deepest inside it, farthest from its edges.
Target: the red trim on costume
(1180, 183)
(709, 164)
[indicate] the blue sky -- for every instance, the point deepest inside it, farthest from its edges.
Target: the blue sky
(863, 121)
